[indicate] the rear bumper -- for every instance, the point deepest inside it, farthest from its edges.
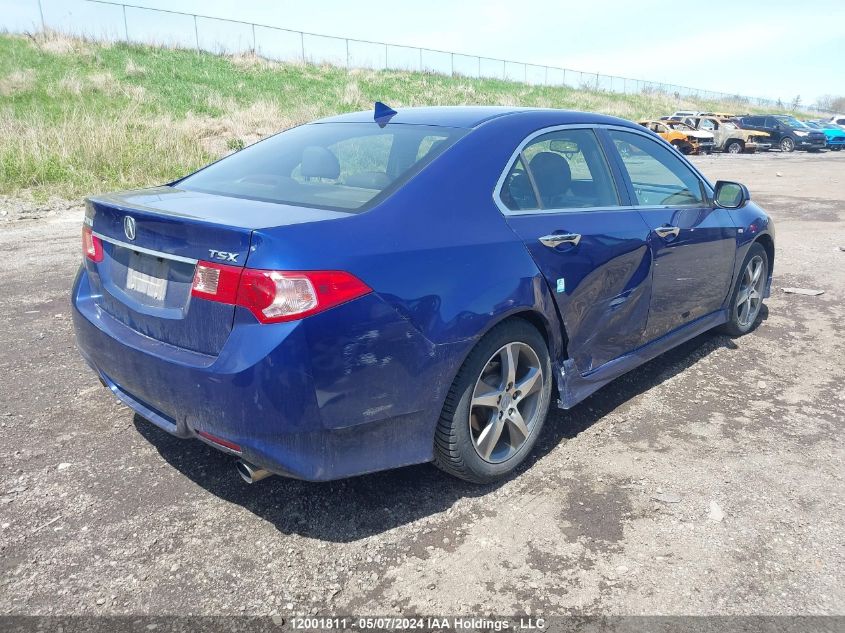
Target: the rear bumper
(317, 399)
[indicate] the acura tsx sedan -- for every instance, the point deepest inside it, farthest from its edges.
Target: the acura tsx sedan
(388, 288)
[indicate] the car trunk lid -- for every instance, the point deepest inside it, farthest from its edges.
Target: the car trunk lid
(152, 240)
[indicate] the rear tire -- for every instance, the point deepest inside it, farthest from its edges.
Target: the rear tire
(493, 415)
(787, 144)
(747, 297)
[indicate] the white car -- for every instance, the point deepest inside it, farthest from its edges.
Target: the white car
(838, 119)
(684, 113)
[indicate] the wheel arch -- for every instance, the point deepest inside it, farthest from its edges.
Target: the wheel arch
(765, 240)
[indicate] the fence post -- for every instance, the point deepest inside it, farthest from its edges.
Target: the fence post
(421, 64)
(504, 70)
(453, 64)
(564, 77)
(125, 23)
(347, 54)
(254, 42)
(302, 45)
(386, 65)
(41, 13)
(196, 32)
(525, 73)
(546, 80)
(479, 68)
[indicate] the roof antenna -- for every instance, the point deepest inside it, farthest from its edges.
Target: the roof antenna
(383, 113)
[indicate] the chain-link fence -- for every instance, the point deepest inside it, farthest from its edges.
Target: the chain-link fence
(116, 21)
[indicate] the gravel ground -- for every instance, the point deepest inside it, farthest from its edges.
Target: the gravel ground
(708, 481)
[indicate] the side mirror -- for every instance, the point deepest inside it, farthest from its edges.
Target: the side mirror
(731, 195)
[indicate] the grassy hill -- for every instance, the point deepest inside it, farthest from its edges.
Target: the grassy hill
(78, 117)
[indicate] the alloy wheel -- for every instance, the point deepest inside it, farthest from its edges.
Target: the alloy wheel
(750, 295)
(734, 148)
(505, 402)
(786, 145)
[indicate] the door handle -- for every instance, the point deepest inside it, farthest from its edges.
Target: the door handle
(556, 239)
(666, 231)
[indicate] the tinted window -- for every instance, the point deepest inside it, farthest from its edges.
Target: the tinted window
(342, 166)
(517, 191)
(754, 120)
(569, 170)
(659, 177)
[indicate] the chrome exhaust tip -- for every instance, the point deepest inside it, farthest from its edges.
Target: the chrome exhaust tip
(251, 473)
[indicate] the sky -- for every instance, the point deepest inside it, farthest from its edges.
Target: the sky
(774, 49)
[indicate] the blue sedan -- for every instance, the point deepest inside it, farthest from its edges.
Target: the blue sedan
(387, 288)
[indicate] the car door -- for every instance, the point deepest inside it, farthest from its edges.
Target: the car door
(692, 242)
(775, 129)
(560, 196)
(757, 123)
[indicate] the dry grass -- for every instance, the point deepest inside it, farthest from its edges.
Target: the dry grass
(134, 70)
(17, 81)
(79, 149)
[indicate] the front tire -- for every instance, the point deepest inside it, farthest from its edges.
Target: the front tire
(787, 144)
(734, 147)
(496, 407)
(747, 297)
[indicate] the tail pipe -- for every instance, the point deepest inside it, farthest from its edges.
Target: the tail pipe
(251, 473)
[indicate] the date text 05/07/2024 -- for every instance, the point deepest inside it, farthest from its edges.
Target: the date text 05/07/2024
(430, 623)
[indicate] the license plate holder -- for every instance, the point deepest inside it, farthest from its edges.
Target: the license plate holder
(147, 276)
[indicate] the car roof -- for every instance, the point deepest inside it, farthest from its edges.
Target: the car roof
(472, 116)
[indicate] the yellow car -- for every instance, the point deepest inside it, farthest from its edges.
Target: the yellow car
(681, 136)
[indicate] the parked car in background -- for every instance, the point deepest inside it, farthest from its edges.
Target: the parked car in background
(834, 134)
(316, 306)
(683, 113)
(681, 136)
(728, 136)
(837, 119)
(787, 132)
(721, 115)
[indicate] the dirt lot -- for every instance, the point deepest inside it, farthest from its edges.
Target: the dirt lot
(708, 481)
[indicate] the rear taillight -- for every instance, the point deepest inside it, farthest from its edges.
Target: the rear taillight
(274, 296)
(91, 245)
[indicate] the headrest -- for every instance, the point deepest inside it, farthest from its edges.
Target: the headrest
(551, 173)
(318, 162)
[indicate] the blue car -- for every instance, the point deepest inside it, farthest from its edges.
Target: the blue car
(834, 134)
(388, 288)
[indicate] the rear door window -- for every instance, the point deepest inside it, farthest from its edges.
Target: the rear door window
(658, 176)
(517, 192)
(566, 170)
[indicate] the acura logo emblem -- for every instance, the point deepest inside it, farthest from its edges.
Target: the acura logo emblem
(129, 227)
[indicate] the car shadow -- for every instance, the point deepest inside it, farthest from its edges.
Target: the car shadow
(355, 508)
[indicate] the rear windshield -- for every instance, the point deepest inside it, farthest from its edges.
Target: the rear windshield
(341, 166)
